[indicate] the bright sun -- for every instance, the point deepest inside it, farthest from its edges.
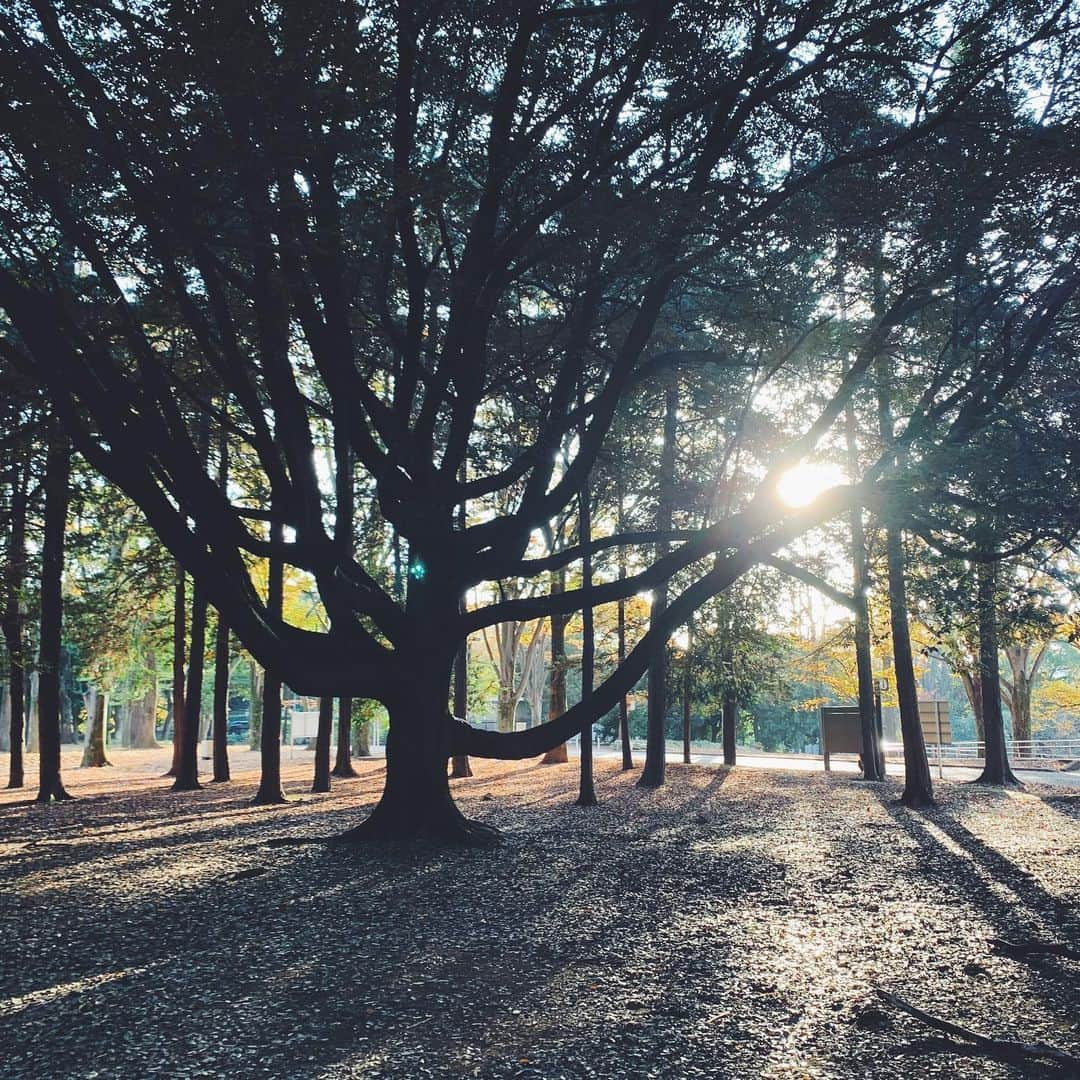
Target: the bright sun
(801, 485)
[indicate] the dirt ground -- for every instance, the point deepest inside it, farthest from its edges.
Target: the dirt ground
(735, 923)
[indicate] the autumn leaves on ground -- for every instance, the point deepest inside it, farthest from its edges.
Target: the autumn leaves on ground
(734, 923)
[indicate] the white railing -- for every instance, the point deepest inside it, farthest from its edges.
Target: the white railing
(1036, 753)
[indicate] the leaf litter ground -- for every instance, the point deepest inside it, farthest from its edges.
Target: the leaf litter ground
(735, 923)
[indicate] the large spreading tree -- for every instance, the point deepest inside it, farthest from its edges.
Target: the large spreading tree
(405, 259)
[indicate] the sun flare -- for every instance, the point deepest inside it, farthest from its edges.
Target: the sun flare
(801, 485)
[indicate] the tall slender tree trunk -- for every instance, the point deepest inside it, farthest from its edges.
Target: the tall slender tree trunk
(873, 757)
(57, 479)
(918, 788)
(270, 790)
(179, 655)
(459, 763)
(221, 702)
(187, 775)
(652, 774)
(255, 688)
(343, 765)
(67, 718)
(686, 687)
(221, 648)
(996, 771)
(624, 710)
(730, 724)
(14, 579)
(557, 755)
(94, 747)
(33, 729)
(321, 781)
(586, 787)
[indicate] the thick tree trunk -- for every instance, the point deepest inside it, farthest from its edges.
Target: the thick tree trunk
(1019, 688)
(973, 692)
(361, 739)
(187, 775)
(416, 803)
(221, 703)
(586, 787)
(94, 747)
(996, 771)
(557, 697)
(144, 710)
(730, 724)
(652, 774)
(57, 476)
(14, 577)
(321, 781)
(179, 655)
(343, 761)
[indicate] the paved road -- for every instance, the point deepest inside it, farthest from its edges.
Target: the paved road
(805, 763)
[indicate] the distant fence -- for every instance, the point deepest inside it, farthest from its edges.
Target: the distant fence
(1026, 753)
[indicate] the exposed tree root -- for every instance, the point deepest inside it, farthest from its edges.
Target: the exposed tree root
(1004, 1049)
(458, 831)
(915, 800)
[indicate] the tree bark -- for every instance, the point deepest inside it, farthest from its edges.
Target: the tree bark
(14, 578)
(557, 697)
(57, 478)
(361, 739)
(255, 685)
(221, 703)
(730, 724)
(270, 790)
(179, 655)
(321, 781)
(686, 686)
(586, 787)
(343, 761)
(624, 710)
(996, 771)
(94, 748)
(918, 789)
(459, 763)
(416, 803)
(973, 691)
(144, 709)
(652, 774)
(187, 776)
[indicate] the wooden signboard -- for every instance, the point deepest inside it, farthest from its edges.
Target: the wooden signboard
(936, 728)
(841, 731)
